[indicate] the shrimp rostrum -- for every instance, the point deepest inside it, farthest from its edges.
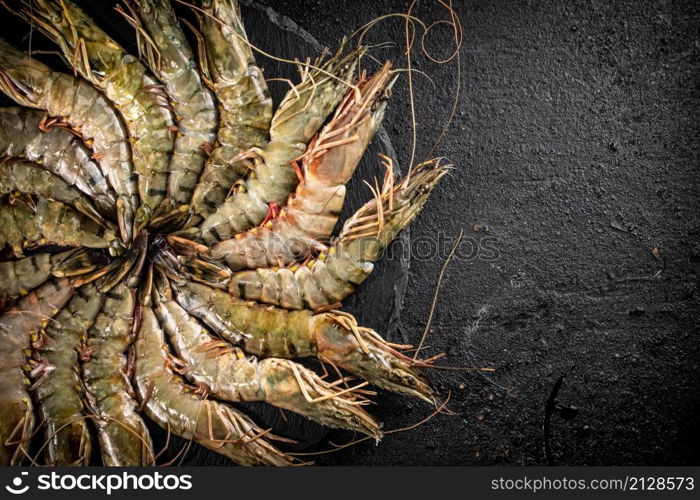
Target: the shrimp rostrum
(167, 246)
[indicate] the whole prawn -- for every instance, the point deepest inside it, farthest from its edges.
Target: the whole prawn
(326, 280)
(18, 327)
(57, 150)
(243, 101)
(307, 222)
(124, 80)
(171, 60)
(332, 336)
(296, 121)
(168, 401)
(57, 380)
(124, 438)
(76, 105)
(226, 373)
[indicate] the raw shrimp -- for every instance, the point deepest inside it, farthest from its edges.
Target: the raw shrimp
(296, 121)
(169, 402)
(18, 277)
(58, 390)
(43, 222)
(18, 327)
(170, 58)
(133, 195)
(226, 373)
(124, 80)
(244, 103)
(123, 436)
(333, 336)
(57, 150)
(75, 103)
(328, 279)
(307, 221)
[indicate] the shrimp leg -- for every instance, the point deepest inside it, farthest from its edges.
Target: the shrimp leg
(228, 374)
(123, 436)
(169, 402)
(333, 336)
(337, 272)
(79, 105)
(17, 328)
(124, 80)
(244, 103)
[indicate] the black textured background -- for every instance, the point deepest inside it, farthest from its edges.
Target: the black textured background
(576, 150)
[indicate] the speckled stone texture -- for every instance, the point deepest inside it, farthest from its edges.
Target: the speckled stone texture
(576, 146)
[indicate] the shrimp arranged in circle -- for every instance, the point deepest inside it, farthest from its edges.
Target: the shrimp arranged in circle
(167, 246)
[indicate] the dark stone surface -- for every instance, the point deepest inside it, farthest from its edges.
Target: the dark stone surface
(576, 150)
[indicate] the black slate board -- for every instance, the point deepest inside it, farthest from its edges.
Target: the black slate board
(576, 141)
